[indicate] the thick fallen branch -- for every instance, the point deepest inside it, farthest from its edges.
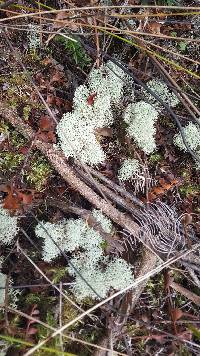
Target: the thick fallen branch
(110, 194)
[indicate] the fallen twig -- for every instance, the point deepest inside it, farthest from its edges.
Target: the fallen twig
(187, 293)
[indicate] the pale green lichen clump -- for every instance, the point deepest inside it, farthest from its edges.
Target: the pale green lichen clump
(93, 106)
(8, 227)
(192, 136)
(141, 118)
(117, 274)
(161, 89)
(2, 285)
(92, 109)
(33, 37)
(128, 169)
(85, 245)
(69, 235)
(13, 294)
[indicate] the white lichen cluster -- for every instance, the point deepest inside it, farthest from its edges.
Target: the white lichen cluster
(33, 37)
(86, 248)
(70, 235)
(128, 169)
(101, 276)
(141, 118)
(106, 3)
(192, 136)
(8, 227)
(13, 294)
(3, 278)
(93, 108)
(163, 92)
(4, 346)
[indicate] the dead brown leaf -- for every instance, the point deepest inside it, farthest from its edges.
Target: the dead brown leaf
(46, 123)
(176, 314)
(57, 77)
(63, 20)
(154, 27)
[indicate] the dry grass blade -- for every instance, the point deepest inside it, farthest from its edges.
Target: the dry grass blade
(166, 50)
(159, 56)
(37, 15)
(159, 14)
(85, 8)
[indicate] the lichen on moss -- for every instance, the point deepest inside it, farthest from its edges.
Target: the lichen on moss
(85, 246)
(93, 109)
(141, 118)
(128, 169)
(8, 227)
(192, 136)
(161, 89)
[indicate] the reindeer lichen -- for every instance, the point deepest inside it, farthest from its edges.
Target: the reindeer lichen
(192, 136)
(8, 227)
(93, 105)
(141, 118)
(128, 169)
(85, 247)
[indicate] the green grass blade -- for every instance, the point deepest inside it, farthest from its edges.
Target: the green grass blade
(26, 343)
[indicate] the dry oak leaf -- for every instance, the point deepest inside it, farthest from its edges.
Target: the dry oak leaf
(16, 198)
(57, 77)
(46, 123)
(162, 189)
(11, 202)
(154, 27)
(26, 198)
(48, 136)
(63, 20)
